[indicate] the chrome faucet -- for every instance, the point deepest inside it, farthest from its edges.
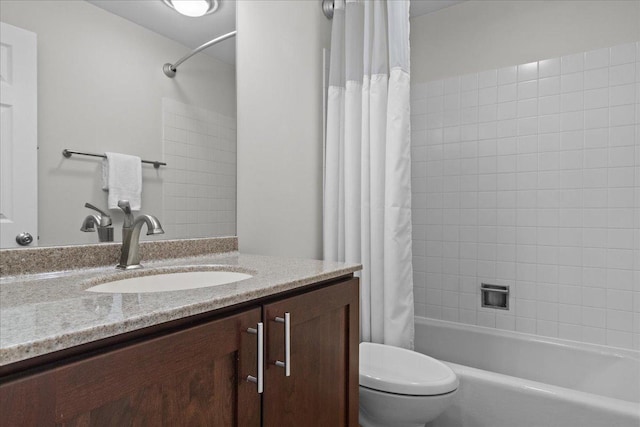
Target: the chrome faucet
(101, 221)
(130, 256)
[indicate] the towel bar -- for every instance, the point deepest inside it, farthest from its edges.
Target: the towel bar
(67, 153)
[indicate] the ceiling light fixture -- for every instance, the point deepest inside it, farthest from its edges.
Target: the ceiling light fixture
(193, 8)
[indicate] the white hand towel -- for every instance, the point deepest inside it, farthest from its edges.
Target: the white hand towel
(122, 177)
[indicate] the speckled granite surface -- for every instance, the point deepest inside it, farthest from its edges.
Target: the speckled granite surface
(58, 258)
(42, 313)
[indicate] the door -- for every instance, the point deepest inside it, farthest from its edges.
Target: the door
(18, 136)
(322, 389)
(194, 377)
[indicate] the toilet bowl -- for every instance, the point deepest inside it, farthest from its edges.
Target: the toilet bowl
(402, 388)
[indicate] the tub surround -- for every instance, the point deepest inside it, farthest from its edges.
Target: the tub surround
(62, 258)
(527, 176)
(45, 313)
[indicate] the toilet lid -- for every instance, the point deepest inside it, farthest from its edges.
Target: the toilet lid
(398, 370)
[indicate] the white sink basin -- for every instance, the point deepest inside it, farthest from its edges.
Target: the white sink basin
(170, 282)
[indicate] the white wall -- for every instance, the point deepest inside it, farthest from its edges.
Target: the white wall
(481, 35)
(527, 174)
(100, 88)
(280, 126)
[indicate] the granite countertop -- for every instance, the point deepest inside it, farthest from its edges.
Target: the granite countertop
(47, 312)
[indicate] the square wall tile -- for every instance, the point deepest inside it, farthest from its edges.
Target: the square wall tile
(528, 71)
(549, 67)
(572, 63)
(623, 54)
(596, 59)
(509, 75)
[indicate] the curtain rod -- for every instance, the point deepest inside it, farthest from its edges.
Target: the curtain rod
(170, 69)
(67, 153)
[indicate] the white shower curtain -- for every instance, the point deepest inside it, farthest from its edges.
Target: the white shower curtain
(367, 191)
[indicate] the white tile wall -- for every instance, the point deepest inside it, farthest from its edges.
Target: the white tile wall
(199, 187)
(529, 176)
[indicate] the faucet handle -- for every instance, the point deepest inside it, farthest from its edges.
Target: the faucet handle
(125, 206)
(95, 208)
(105, 219)
(128, 216)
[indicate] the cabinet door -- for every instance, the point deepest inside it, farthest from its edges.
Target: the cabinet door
(195, 377)
(322, 389)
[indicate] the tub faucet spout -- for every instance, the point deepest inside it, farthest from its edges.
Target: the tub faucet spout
(130, 255)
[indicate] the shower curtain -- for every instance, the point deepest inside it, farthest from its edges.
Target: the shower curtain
(367, 188)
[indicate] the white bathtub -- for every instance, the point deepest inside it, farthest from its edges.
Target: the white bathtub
(512, 379)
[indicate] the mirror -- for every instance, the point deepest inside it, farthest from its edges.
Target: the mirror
(101, 88)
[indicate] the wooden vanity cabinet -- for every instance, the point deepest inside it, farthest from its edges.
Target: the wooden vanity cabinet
(197, 375)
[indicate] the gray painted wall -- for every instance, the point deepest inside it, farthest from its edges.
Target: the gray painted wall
(279, 71)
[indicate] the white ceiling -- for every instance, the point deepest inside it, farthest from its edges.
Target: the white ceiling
(192, 32)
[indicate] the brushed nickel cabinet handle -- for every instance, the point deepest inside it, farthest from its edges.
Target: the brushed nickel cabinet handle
(287, 344)
(259, 380)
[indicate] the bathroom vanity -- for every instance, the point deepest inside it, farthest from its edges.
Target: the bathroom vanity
(72, 357)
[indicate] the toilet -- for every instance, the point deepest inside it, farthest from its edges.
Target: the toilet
(402, 388)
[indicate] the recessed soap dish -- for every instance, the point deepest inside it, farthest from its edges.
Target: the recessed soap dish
(494, 296)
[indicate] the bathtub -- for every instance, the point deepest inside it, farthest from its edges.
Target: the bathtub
(513, 379)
